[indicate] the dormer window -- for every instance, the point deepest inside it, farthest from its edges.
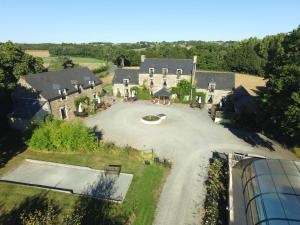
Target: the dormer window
(78, 88)
(126, 82)
(62, 93)
(178, 73)
(92, 84)
(164, 71)
(151, 71)
(211, 86)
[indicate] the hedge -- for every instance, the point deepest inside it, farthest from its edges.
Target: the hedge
(58, 135)
(216, 197)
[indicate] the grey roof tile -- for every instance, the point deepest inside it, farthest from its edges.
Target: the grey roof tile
(131, 74)
(172, 64)
(223, 80)
(48, 83)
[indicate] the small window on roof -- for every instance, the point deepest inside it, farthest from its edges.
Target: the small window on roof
(179, 72)
(164, 71)
(151, 71)
(92, 84)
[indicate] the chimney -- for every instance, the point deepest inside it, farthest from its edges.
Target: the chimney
(195, 59)
(143, 57)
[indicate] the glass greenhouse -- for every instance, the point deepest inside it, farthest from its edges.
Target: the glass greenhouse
(271, 190)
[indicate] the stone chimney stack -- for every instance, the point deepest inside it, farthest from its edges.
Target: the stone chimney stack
(143, 57)
(195, 59)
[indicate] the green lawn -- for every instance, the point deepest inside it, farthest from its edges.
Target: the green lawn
(76, 60)
(140, 201)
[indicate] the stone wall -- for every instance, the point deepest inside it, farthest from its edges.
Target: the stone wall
(121, 88)
(158, 80)
(57, 104)
(218, 94)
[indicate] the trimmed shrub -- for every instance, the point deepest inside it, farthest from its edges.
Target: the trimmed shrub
(216, 197)
(57, 135)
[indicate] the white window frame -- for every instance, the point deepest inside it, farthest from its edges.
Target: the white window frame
(178, 71)
(66, 111)
(151, 69)
(164, 70)
(92, 84)
(63, 93)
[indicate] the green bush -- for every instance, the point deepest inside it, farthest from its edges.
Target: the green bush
(216, 197)
(101, 69)
(81, 99)
(57, 135)
(143, 93)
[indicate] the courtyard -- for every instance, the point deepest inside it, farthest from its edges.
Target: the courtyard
(187, 137)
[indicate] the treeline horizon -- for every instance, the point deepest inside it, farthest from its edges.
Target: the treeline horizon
(251, 56)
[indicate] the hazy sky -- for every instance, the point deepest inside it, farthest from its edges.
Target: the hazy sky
(35, 21)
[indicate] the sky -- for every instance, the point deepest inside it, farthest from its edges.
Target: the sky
(82, 21)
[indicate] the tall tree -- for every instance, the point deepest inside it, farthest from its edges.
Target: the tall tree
(13, 63)
(280, 102)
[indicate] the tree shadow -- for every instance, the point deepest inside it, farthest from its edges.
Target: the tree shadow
(252, 138)
(12, 144)
(96, 209)
(29, 206)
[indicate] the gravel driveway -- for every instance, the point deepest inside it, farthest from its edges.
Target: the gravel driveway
(188, 137)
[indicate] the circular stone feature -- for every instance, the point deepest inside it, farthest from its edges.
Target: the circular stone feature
(151, 119)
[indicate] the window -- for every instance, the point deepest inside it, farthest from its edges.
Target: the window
(63, 94)
(165, 83)
(151, 83)
(79, 88)
(92, 84)
(63, 112)
(164, 71)
(151, 71)
(126, 82)
(179, 72)
(211, 86)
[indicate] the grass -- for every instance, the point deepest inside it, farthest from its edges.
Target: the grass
(76, 60)
(141, 198)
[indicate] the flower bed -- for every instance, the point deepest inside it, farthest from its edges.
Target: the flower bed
(151, 119)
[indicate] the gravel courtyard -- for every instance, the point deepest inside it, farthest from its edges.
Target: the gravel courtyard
(188, 137)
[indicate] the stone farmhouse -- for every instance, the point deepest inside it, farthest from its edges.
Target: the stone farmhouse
(153, 73)
(159, 74)
(51, 93)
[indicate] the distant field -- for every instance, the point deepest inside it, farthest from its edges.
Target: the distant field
(38, 53)
(253, 84)
(91, 63)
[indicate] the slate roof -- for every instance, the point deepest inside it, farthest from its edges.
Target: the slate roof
(223, 80)
(172, 64)
(162, 93)
(47, 84)
(26, 108)
(131, 74)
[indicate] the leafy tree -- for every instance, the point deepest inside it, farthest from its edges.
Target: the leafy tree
(244, 59)
(280, 102)
(14, 62)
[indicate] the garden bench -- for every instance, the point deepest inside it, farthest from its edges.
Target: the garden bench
(113, 169)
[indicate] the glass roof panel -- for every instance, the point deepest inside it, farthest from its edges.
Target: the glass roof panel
(282, 184)
(290, 168)
(295, 182)
(278, 222)
(261, 166)
(266, 184)
(275, 166)
(273, 206)
(291, 206)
